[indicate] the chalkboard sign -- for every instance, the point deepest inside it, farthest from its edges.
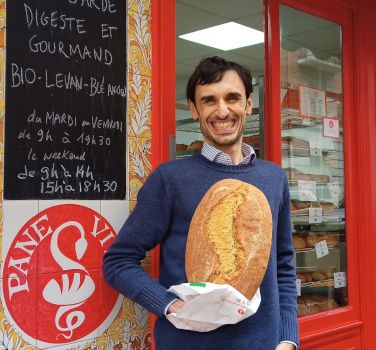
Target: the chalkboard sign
(65, 123)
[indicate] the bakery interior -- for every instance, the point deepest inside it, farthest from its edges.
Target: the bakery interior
(311, 64)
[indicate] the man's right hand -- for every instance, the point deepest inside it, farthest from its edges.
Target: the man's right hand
(175, 306)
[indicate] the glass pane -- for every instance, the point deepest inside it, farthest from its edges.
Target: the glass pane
(196, 15)
(312, 155)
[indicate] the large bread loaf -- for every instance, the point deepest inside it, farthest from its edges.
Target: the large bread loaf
(229, 237)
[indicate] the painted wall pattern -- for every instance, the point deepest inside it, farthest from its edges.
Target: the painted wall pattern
(130, 329)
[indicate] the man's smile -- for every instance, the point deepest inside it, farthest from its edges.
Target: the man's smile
(224, 125)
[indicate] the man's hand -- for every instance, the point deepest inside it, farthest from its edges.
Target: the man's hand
(175, 306)
(285, 346)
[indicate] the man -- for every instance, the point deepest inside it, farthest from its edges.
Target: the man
(219, 95)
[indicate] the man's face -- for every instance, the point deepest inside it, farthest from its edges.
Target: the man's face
(221, 108)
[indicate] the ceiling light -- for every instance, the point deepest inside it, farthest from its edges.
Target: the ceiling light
(227, 36)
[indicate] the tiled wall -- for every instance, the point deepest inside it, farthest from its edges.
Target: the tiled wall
(130, 328)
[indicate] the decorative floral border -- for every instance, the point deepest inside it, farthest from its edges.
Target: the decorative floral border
(131, 329)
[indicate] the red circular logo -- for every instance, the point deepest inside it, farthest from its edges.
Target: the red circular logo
(53, 285)
(241, 311)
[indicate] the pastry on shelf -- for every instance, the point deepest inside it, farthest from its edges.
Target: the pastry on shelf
(304, 276)
(310, 304)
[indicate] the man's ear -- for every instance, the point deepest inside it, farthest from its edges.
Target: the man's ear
(193, 110)
(249, 106)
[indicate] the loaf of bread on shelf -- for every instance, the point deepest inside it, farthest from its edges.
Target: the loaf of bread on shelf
(302, 208)
(304, 276)
(299, 242)
(311, 240)
(315, 275)
(181, 147)
(229, 237)
(310, 304)
(318, 276)
(195, 146)
(331, 239)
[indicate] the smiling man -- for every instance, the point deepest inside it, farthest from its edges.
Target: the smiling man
(219, 93)
(221, 107)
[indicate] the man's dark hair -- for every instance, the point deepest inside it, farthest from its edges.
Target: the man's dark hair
(211, 70)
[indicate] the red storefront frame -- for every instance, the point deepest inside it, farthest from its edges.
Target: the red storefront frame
(348, 327)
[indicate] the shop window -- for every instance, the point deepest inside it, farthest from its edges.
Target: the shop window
(313, 156)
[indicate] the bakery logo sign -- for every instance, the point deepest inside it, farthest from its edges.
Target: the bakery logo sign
(52, 287)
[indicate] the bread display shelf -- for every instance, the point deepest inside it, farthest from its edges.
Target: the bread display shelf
(293, 151)
(296, 121)
(303, 219)
(293, 184)
(291, 119)
(312, 250)
(319, 284)
(317, 228)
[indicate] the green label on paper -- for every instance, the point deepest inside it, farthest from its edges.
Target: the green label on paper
(197, 284)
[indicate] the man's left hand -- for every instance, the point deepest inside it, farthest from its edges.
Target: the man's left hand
(285, 346)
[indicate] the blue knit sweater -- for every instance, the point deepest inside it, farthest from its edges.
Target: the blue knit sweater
(165, 206)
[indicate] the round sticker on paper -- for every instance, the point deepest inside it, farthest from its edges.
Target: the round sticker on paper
(53, 288)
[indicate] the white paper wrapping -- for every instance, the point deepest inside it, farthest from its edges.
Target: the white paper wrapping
(210, 306)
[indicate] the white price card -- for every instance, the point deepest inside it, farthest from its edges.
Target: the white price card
(315, 215)
(331, 127)
(298, 287)
(339, 279)
(321, 249)
(315, 149)
(307, 190)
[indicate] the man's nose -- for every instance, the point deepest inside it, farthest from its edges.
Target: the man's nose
(222, 109)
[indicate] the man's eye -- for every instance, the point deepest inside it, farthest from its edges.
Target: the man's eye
(233, 98)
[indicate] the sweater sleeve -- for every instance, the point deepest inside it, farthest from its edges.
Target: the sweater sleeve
(142, 231)
(288, 329)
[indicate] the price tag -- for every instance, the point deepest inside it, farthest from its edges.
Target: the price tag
(298, 287)
(335, 191)
(315, 215)
(339, 279)
(315, 149)
(321, 249)
(307, 190)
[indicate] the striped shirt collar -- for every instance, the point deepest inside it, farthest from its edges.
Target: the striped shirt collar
(217, 156)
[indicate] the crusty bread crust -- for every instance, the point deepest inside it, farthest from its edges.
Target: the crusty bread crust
(229, 237)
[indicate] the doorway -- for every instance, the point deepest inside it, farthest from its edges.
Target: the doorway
(197, 15)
